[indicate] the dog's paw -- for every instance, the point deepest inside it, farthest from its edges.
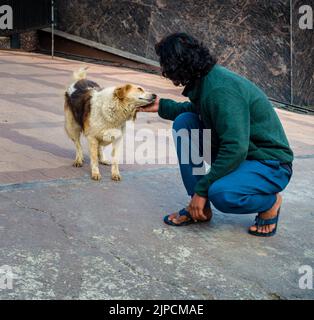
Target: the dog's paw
(105, 162)
(78, 163)
(96, 176)
(116, 177)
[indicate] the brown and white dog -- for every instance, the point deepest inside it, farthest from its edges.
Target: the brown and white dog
(101, 115)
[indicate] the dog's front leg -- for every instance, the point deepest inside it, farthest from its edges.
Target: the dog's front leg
(93, 151)
(101, 157)
(116, 148)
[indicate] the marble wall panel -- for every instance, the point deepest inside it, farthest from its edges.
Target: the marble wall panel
(251, 39)
(120, 24)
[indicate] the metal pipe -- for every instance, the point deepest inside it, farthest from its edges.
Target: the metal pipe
(303, 109)
(52, 29)
(291, 53)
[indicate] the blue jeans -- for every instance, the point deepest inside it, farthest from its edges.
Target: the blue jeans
(251, 188)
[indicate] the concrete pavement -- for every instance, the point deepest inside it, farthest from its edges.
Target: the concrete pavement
(67, 237)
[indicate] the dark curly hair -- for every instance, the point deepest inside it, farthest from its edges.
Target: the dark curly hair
(183, 58)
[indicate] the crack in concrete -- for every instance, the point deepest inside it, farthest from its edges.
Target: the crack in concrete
(133, 269)
(260, 287)
(52, 217)
(150, 277)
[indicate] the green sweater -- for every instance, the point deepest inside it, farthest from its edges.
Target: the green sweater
(243, 123)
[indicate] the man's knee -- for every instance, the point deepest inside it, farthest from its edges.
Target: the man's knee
(223, 200)
(185, 120)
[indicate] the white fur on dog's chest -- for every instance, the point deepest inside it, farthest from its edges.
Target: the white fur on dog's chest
(111, 134)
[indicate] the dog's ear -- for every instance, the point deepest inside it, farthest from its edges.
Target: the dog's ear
(122, 91)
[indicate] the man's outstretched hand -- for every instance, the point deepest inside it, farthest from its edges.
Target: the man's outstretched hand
(151, 107)
(196, 208)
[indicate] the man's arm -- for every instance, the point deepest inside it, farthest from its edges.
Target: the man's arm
(170, 109)
(231, 119)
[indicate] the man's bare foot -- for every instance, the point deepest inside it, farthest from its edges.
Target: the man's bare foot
(177, 219)
(269, 214)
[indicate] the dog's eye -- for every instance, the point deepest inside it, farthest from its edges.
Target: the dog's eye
(140, 89)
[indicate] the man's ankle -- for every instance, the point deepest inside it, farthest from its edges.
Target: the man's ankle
(274, 209)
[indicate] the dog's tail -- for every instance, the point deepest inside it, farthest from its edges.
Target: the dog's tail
(80, 74)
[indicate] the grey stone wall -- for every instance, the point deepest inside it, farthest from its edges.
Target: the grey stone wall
(250, 37)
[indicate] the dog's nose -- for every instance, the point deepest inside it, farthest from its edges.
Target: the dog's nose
(154, 96)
